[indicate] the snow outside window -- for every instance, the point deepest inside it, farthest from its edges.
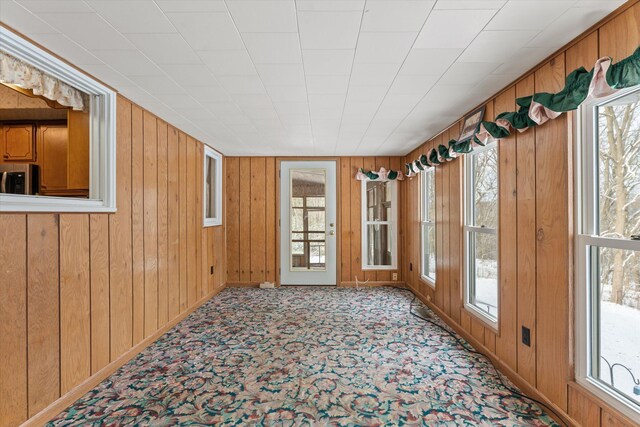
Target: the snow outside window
(607, 256)
(481, 233)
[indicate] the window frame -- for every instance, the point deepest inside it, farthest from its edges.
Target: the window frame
(468, 230)
(102, 157)
(426, 175)
(210, 153)
(586, 207)
(393, 223)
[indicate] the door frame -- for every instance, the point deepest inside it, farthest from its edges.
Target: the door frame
(279, 161)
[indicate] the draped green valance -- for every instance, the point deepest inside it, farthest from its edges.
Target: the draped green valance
(604, 79)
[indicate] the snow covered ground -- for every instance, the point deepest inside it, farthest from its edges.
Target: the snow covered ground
(621, 344)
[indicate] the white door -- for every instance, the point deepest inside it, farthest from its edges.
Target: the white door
(308, 223)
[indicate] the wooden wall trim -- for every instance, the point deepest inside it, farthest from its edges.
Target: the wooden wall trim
(46, 414)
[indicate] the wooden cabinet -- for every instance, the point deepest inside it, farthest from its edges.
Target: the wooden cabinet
(18, 143)
(53, 149)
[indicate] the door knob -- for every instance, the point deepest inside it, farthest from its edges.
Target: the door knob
(332, 232)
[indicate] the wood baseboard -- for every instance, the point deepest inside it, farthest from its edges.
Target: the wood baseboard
(513, 376)
(42, 417)
(340, 285)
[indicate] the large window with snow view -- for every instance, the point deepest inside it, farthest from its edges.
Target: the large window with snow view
(481, 233)
(608, 250)
(428, 225)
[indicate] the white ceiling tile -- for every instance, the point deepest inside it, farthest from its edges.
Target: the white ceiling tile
(381, 47)
(62, 6)
(287, 93)
(108, 75)
(528, 14)
(177, 100)
(165, 48)
(221, 107)
(327, 84)
(189, 75)
(328, 62)
(192, 5)
(452, 28)
(329, 30)
(484, 47)
(330, 5)
(570, 24)
(281, 74)
(207, 31)
(66, 48)
(88, 30)
(469, 4)
(21, 19)
(373, 74)
(128, 62)
(158, 85)
(264, 16)
(252, 100)
(395, 15)
(203, 94)
(133, 16)
(429, 61)
(242, 84)
(273, 48)
(467, 73)
(366, 94)
(413, 83)
(527, 58)
(228, 62)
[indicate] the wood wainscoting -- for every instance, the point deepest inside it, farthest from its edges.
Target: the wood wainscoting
(252, 223)
(536, 232)
(80, 291)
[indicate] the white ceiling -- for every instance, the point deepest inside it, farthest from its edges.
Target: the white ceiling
(311, 77)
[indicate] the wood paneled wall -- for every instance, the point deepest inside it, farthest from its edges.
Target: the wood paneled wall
(535, 233)
(77, 291)
(252, 222)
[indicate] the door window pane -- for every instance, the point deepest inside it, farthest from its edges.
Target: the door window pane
(308, 219)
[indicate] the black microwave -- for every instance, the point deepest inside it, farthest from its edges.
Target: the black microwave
(18, 179)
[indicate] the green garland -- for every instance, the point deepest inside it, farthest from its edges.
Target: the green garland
(604, 79)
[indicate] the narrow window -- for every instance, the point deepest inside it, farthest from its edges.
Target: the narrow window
(379, 215)
(212, 187)
(608, 252)
(481, 233)
(428, 220)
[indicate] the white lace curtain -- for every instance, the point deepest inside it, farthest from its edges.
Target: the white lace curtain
(16, 72)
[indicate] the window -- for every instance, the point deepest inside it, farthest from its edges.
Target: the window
(428, 220)
(379, 219)
(607, 256)
(58, 138)
(212, 187)
(308, 219)
(481, 233)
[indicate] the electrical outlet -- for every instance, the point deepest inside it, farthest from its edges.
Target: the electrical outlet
(211, 270)
(526, 336)
(394, 276)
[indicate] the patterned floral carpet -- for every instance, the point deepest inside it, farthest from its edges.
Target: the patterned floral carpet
(304, 356)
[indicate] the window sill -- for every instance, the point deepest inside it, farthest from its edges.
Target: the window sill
(378, 267)
(427, 281)
(609, 397)
(487, 321)
(21, 203)
(211, 223)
